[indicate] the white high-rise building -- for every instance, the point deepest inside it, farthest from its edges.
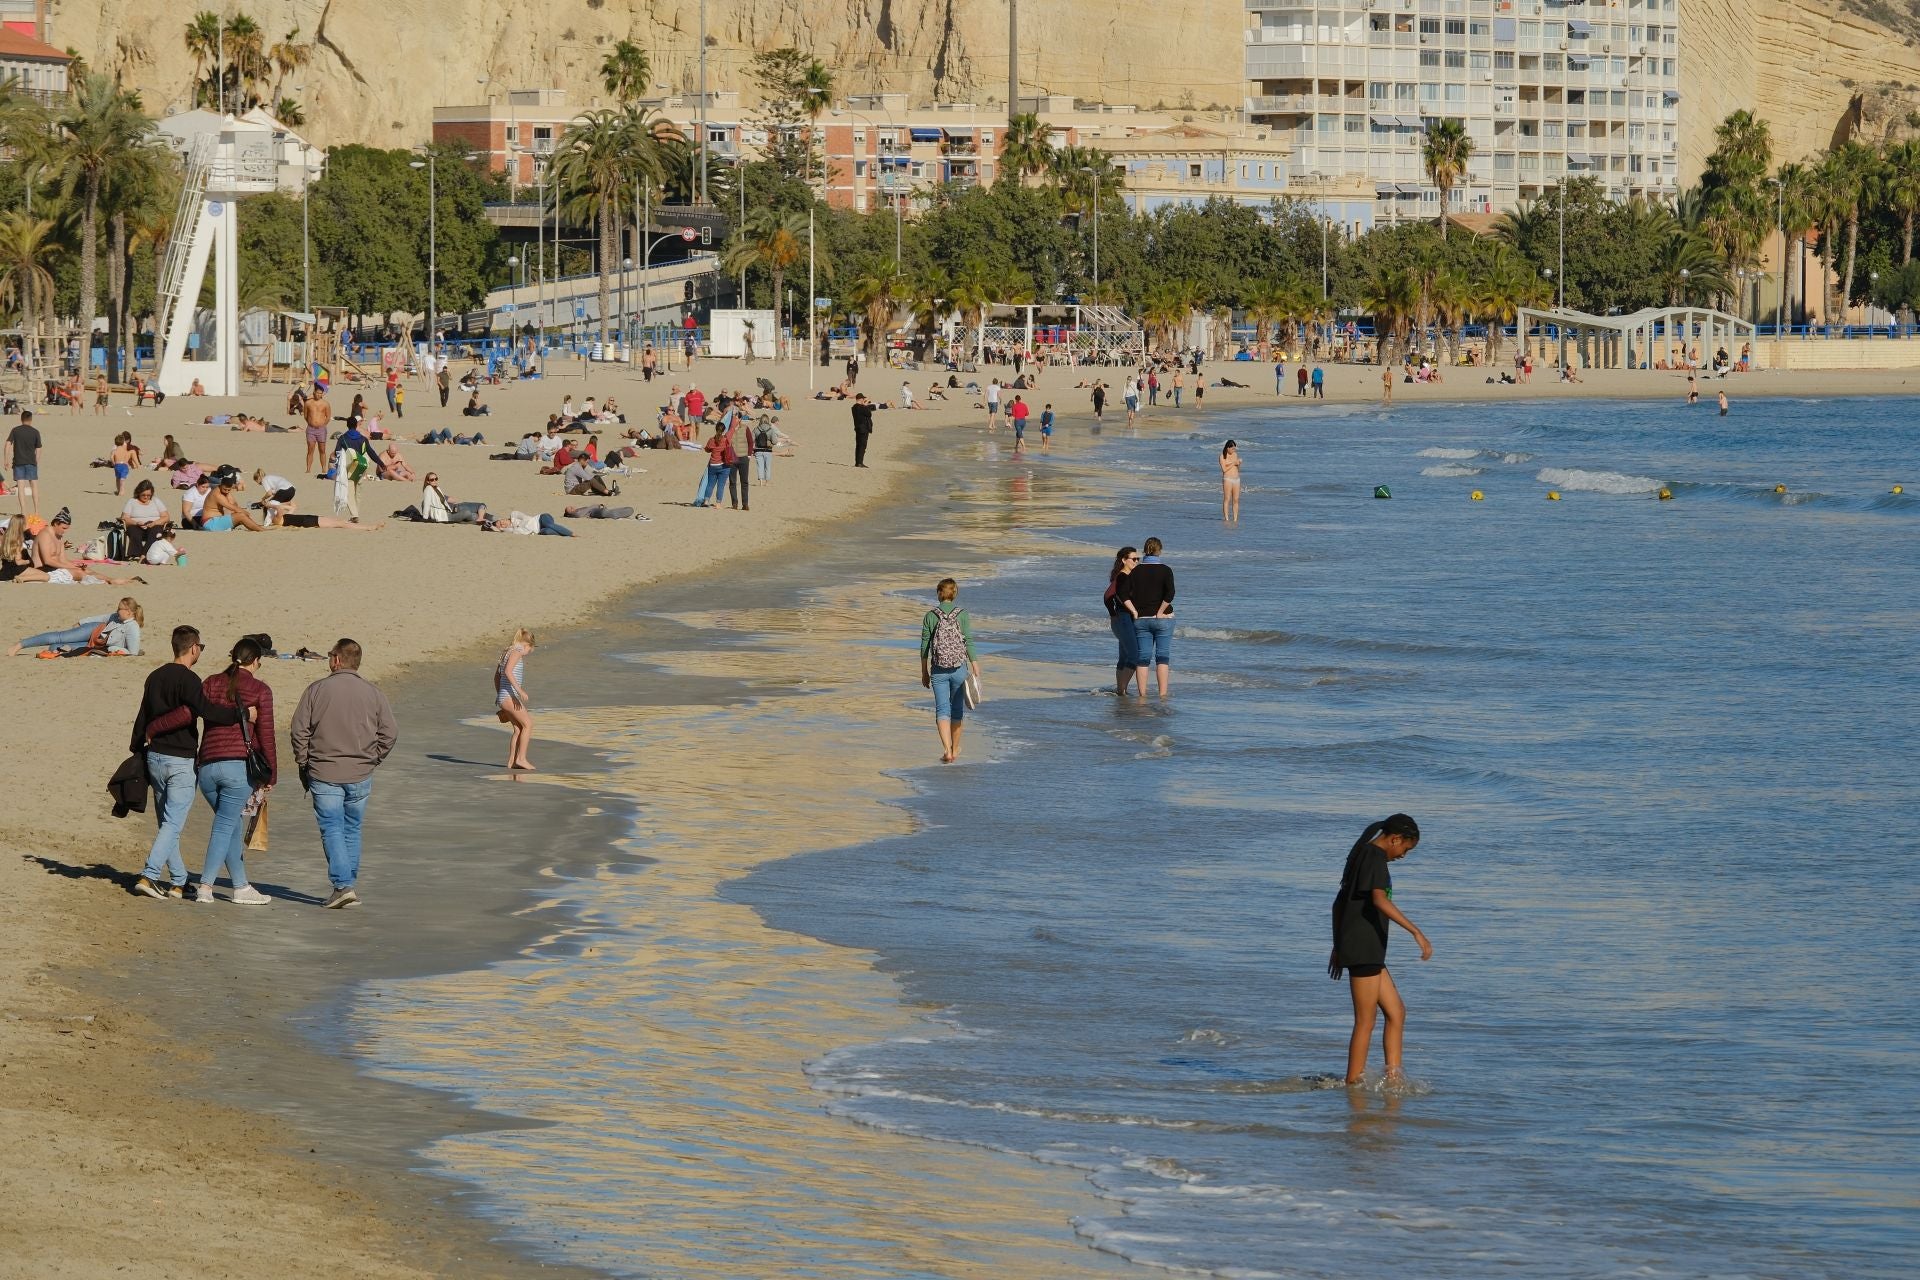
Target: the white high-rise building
(1545, 88)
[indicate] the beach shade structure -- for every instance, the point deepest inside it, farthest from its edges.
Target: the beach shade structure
(1653, 337)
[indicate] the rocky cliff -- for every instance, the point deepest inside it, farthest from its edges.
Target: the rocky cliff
(380, 66)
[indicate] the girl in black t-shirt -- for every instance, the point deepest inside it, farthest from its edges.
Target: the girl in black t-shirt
(1361, 911)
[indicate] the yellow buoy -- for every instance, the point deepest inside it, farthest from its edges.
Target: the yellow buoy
(1779, 488)
(1553, 495)
(1666, 495)
(1899, 489)
(1476, 495)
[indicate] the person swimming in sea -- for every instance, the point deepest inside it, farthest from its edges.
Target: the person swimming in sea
(1361, 911)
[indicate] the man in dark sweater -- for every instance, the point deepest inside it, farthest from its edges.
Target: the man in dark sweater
(164, 730)
(862, 428)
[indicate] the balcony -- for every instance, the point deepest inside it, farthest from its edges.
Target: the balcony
(953, 146)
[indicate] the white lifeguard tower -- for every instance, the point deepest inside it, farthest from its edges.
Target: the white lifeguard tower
(228, 158)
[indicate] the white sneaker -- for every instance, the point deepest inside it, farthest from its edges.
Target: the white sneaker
(248, 896)
(203, 894)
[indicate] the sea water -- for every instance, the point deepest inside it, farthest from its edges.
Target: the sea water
(1662, 756)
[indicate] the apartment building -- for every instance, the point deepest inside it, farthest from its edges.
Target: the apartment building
(1546, 88)
(30, 67)
(878, 151)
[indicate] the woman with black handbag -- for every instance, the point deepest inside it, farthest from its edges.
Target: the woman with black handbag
(236, 761)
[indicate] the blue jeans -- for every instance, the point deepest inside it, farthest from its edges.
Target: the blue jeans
(548, 525)
(950, 693)
(224, 784)
(339, 808)
(714, 484)
(1176, 397)
(1153, 638)
(68, 639)
(1123, 631)
(172, 779)
(763, 463)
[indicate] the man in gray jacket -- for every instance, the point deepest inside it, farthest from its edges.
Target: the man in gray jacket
(342, 729)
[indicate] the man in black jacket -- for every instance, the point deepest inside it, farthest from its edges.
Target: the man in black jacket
(165, 732)
(862, 428)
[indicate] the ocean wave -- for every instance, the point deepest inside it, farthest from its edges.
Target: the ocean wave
(1895, 502)
(1579, 481)
(1448, 453)
(1451, 470)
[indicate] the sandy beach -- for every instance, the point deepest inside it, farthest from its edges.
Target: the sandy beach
(121, 1157)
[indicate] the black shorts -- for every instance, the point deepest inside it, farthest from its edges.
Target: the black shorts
(1365, 970)
(294, 520)
(282, 495)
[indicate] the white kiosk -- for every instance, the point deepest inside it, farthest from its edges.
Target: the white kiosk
(235, 159)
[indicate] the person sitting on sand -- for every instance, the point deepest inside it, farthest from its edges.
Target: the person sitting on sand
(474, 408)
(196, 389)
(50, 554)
(1567, 374)
(145, 518)
(393, 466)
(171, 458)
(224, 510)
(16, 560)
(935, 392)
(116, 633)
(193, 501)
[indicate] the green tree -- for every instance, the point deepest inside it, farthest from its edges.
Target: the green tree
(101, 128)
(626, 72)
(1027, 150)
(28, 250)
(794, 89)
(879, 290)
(1445, 153)
(602, 156)
(774, 241)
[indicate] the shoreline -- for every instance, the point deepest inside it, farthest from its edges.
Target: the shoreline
(74, 939)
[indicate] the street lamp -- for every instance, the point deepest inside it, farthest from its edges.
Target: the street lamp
(1780, 233)
(1089, 169)
(626, 309)
(433, 249)
(813, 337)
(513, 300)
(1873, 289)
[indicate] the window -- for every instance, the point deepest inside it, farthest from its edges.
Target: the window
(1456, 59)
(1193, 170)
(1456, 26)
(1480, 61)
(1355, 124)
(1479, 28)
(1429, 26)
(513, 135)
(1503, 163)
(1429, 57)
(1243, 173)
(1456, 93)
(1550, 130)
(1502, 61)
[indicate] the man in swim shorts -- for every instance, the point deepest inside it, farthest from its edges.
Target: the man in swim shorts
(319, 417)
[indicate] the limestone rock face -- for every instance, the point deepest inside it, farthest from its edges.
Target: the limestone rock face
(381, 66)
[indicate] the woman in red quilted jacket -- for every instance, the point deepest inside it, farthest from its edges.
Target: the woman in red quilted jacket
(223, 770)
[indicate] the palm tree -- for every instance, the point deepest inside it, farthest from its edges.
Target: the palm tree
(1454, 300)
(247, 62)
(1393, 295)
(1445, 155)
(1900, 185)
(1266, 305)
(1027, 151)
(626, 72)
(928, 298)
(1085, 175)
(1799, 215)
(203, 42)
(287, 57)
(972, 290)
(102, 124)
(816, 95)
(596, 165)
(1846, 174)
(879, 292)
(27, 250)
(771, 240)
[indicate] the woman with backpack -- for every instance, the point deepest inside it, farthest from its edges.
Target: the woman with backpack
(236, 761)
(946, 661)
(1361, 911)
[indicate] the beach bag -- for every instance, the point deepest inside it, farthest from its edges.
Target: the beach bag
(949, 648)
(96, 550)
(116, 541)
(257, 829)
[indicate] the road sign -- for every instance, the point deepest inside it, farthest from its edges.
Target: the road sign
(579, 313)
(822, 304)
(510, 308)
(689, 234)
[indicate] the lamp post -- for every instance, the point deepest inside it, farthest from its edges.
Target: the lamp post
(626, 310)
(433, 249)
(1095, 175)
(703, 102)
(1561, 305)
(1780, 233)
(1873, 288)
(513, 299)
(813, 337)
(1324, 223)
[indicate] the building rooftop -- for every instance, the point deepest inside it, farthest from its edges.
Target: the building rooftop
(17, 46)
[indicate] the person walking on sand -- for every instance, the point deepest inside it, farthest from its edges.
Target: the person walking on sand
(993, 403)
(22, 451)
(227, 775)
(1150, 597)
(1018, 412)
(341, 731)
(1300, 380)
(1319, 383)
(101, 396)
(1179, 381)
(1100, 399)
(443, 380)
(1230, 481)
(1386, 385)
(862, 428)
(1361, 911)
(1280, 376)
(164, 733)
(510, 698)
(946, 660)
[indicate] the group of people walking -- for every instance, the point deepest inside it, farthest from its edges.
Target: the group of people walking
(342, 728)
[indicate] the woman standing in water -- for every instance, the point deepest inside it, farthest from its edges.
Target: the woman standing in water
(510, 697)
(946, 659)
(1150, 599)
(1360, 915)
(1120, 618)
(1230, 481)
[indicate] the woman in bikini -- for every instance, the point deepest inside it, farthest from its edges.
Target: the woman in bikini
(510, 698)
(1230, 481)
